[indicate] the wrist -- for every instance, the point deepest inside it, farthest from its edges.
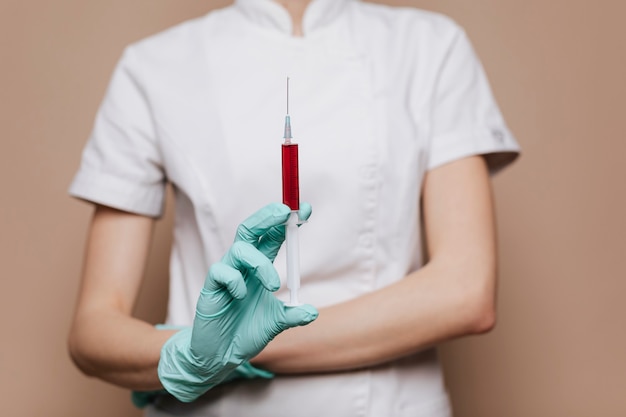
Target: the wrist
(181, 374)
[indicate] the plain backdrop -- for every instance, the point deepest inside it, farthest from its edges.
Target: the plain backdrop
(558, 70)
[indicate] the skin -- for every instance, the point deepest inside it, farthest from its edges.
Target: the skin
(105, 341)
(296, 9)
(452, 295)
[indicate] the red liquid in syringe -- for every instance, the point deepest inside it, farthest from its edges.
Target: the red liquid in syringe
(291, 186)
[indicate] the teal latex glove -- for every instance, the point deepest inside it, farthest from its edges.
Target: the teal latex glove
(141, 399)
(236, 314)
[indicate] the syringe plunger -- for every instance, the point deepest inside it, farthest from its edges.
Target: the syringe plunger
(293, 258)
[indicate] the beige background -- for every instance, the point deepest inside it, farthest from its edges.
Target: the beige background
(558, 70)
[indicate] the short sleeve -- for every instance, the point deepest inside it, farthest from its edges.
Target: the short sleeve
(465, 117)
(121, 163)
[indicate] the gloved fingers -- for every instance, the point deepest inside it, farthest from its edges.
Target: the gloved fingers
(222, 275)
(261, 222)
(299, 315)
(270, 242)
(305, 211)
(252, 263)
(248, 371)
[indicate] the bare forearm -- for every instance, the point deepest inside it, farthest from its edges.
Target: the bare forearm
(118, 349)
(429, 306)
(453, 295)
(105, 341)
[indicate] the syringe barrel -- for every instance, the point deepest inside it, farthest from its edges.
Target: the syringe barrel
(293, 258)
(291, 185)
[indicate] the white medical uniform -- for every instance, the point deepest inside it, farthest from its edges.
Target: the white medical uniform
(379, 96)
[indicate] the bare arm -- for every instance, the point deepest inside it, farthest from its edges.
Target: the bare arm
(453, 295)
(105, 340)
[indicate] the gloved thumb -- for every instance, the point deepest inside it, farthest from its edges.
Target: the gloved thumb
(300, 315)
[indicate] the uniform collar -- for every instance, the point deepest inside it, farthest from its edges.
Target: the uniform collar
(272, 15)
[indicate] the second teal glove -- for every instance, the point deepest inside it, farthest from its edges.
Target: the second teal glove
(236, 314)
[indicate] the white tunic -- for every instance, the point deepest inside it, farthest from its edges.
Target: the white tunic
(379, 96)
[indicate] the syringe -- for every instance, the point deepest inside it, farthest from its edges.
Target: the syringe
(291, 198)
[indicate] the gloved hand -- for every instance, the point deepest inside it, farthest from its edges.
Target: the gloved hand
(236, 314)
(246, 370)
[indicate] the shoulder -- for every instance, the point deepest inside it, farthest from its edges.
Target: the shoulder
(182, 44)
(406, 25)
